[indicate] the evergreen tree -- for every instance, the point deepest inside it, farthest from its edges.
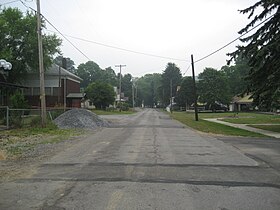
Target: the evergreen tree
(263, 53)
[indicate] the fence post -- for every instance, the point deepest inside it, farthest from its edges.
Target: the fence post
(7, 117)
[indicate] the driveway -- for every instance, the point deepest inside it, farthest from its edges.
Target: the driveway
(148, 161)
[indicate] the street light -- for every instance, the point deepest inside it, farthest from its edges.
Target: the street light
(6, 65)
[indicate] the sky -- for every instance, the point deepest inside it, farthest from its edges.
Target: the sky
(173, 29)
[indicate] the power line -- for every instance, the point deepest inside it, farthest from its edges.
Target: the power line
(233, 40)
(57, 31)
(101, 44)
(10, 2)
(187, 69)
(123, 49)
(66, 38)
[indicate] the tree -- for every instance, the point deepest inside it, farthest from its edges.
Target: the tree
(213, 87)
(100, 94)
(147, 89)
(70, 65)
(237, 76)
(127, 87)
(19, 43)
(171, 75)
(186, 95)
(89, 72)
(263, 53)
(108, 75)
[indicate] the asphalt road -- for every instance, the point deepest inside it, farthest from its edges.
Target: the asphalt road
(149, 161)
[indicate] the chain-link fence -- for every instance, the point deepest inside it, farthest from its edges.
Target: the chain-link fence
(10, 118)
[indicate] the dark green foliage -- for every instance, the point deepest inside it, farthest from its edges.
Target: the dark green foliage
(186, 95)
(100, 94)
(19, 43)
(213, 87)
(237, 76)
(17, 101)
(91, 72)
(123, 106)
(171, 74)
(263, 53)
(148, 89)
(127, 87)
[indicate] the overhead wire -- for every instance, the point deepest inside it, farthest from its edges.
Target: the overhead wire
(123, 49)
(187, 70)
(214, 52)
(10, 2)
(58, 31)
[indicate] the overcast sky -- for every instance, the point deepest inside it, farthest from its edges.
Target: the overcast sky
(168, 28)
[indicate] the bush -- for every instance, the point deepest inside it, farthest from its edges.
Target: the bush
(17, 101)
(123, 106)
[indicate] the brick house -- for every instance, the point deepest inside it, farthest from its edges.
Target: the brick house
(61, 88)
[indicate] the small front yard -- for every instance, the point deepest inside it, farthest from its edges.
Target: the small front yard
(274, 128)
(215, 128)
(253, 118)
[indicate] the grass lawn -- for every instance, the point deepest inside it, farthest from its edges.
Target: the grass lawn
(211, 127)
(274, 128)
(254, 118)
(116, 112)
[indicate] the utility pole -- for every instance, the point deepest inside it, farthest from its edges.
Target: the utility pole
(41, 68)
(120, 85)
(194, 89)
(171, 95)
(132, 95)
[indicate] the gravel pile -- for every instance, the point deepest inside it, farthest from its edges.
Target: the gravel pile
(80, 118)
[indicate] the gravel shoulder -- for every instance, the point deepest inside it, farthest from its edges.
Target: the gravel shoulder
(25, 165)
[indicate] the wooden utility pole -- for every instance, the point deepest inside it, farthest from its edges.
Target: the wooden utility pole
(120, 85)
(41, 67)
(171, 106)
(194, 89)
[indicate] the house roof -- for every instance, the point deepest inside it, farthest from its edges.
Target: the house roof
(54, 70)
(246, 99)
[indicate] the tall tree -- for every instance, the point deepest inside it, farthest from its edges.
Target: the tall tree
(213, 87)
(171, 77)
(100, 94)
(237, 76)
(263, 52)
(19, 43)
(89, 72)
(70, 65)
(147, 89)
(186, 95)
(127, 87)
(109, 76)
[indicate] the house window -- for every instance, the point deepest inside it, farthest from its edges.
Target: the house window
(27, 91)
(48, 91)
(36, 91)
(55, 91)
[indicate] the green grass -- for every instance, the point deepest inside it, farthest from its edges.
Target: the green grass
(115, 112)
(254, 118)
(274, 128)
(211, 127)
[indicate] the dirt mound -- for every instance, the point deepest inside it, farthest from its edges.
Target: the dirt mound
(80, 118)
